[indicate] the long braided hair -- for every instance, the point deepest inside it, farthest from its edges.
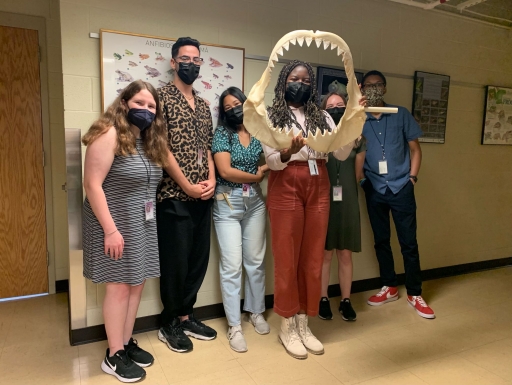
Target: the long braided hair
(280, 114)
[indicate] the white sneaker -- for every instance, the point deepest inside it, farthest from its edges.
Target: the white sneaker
(260, 325)
(290, 339)
(236, 339)
(308, 339)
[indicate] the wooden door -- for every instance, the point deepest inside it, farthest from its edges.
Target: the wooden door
(23, 261)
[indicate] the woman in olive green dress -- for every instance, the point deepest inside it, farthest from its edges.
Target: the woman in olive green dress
(344, 232)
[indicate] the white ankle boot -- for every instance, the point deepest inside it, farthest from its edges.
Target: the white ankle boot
(290, 339)
(308, 339)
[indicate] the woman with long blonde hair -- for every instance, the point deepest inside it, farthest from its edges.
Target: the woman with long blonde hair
(126, 150)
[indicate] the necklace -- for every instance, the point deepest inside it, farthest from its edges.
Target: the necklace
(186, 97)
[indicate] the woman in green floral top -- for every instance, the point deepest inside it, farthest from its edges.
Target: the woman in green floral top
(239, 217)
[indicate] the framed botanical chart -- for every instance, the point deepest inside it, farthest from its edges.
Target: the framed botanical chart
(497, 126)
(126, 57)
(430, 105)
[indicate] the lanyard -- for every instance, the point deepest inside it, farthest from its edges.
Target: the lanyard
(148, 168)
(382, 144)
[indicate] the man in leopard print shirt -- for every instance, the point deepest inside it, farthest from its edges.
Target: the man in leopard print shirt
(184, 200)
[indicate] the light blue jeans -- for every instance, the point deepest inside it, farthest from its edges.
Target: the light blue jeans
(241, 234)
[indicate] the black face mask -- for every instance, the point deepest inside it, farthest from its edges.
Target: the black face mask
(140, 118)
(235, 116)
(336, 113)
(297, 92)
(188, 72)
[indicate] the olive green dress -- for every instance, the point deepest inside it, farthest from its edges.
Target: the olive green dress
(344, 230)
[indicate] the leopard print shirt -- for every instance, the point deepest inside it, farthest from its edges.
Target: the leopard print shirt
(188, 132)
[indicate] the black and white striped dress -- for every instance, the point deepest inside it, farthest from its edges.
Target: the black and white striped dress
(126, 189)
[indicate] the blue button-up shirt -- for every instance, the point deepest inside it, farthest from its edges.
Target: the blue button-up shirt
(389, 137)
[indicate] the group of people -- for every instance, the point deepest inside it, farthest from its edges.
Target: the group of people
(155, 169)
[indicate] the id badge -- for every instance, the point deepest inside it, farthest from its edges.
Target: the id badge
(383, 167)
(199, 156)
(246, 189)
(313, 167)
(337, 195)
(149, 209)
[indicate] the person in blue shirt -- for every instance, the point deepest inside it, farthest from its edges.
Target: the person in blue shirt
(390, 171)
(239, 217)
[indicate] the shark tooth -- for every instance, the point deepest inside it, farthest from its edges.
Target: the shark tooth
(271, 64)
(318, 42)
(280, 51)
(286, 45)
(309, 39)
(334, 46)
(327, 43)
(293, 41)
(340, 51)
(300, 40)
(275, 58)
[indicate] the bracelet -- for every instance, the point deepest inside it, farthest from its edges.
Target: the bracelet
(361, 181)
(113, 232)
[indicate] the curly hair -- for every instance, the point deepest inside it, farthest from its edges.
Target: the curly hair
(154, 137)
(280, 114)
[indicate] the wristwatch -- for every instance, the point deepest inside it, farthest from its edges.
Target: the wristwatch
(414, 178)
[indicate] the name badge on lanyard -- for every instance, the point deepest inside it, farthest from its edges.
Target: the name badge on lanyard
(149, 209)
(313, 167)
(383, 167)
(337, 195)
(199, 156)
(246, 189)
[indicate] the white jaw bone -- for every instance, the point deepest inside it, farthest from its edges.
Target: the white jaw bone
(350, 127)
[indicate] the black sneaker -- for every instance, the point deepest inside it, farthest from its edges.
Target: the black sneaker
(175, 338)
(197, 329)
(138, 355)
(346, 310)
(324, 311)
(122, 367)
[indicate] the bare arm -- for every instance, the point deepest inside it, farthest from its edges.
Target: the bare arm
(360, 157)
(415, 149)
(209, 185)
(223, 162)
(98, 160)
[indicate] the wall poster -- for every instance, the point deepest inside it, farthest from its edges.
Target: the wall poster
(430, 105)
(497, 127)
(333, 80)
(126, 57)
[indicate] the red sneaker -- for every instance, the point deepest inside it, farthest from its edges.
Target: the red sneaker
(386, 294)
(418, 303)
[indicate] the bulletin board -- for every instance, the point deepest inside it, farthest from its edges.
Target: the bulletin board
(497, 127)
(430, 105)
(126, 57)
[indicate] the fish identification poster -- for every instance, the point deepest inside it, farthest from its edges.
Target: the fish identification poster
(126, 57)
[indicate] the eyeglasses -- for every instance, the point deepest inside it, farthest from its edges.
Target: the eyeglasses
(187, 59)
(375, 85)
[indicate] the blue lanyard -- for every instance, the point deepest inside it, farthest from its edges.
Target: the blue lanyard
(382, 144)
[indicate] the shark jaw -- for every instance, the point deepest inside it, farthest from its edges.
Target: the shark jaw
(350, 127)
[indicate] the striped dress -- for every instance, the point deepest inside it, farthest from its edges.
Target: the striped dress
(126, 189)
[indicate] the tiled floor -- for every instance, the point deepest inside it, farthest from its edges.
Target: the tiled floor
(470, 342)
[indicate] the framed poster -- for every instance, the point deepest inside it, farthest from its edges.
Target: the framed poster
(430, 105)
(333, 80)
(497, 126)
(126, 57)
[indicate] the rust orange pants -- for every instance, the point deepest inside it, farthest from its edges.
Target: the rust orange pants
(298, 205)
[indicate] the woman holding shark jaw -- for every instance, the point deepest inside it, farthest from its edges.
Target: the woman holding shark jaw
(298, 205)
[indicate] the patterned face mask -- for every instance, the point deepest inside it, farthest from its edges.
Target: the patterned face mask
(375, 95)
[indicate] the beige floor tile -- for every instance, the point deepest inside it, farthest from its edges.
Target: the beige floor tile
(280, 368)
(455, 370)
(403, 377)
(92, 353)
(62, 372)
(235, 376)
(407, 346)
(495, 357)
(353, 361)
